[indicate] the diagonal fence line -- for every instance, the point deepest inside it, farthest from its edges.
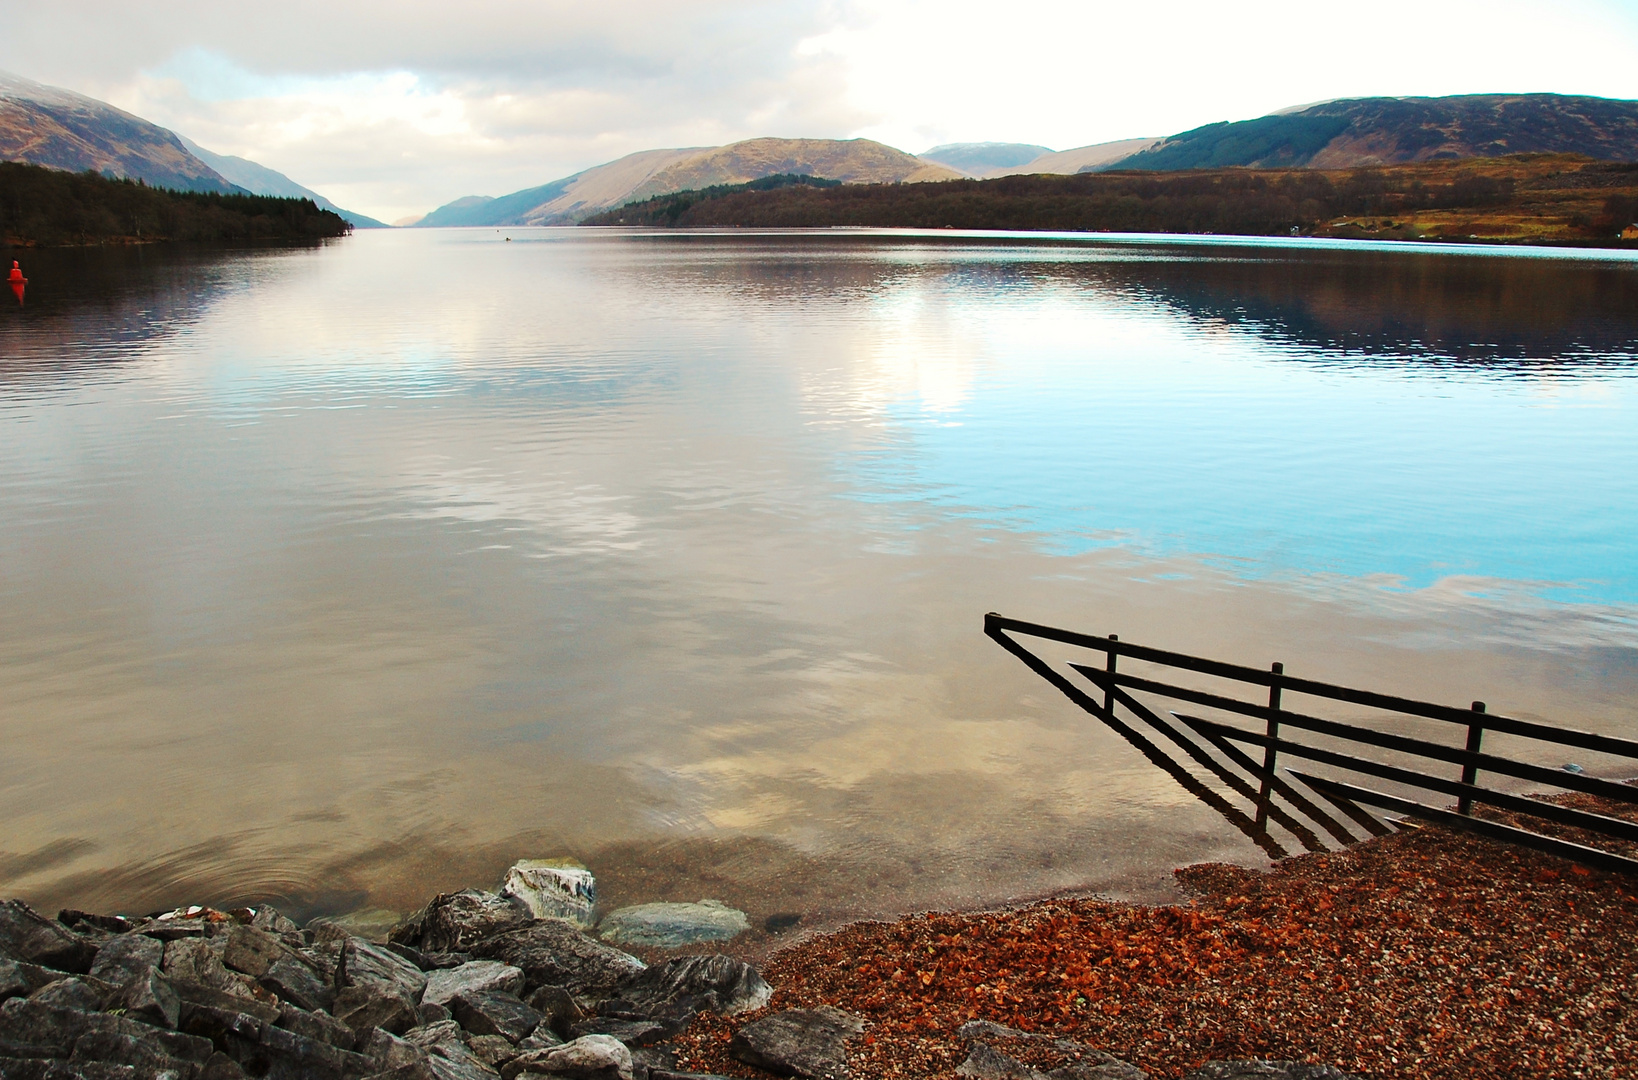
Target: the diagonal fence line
(1220, 749)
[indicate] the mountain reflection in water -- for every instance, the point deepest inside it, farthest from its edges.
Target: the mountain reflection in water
(341, 576)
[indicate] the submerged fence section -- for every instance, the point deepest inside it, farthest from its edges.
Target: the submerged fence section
(1282, 769)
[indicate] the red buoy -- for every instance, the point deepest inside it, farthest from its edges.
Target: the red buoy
(16, 273)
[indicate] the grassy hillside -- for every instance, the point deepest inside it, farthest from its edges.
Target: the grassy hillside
(1376, 131)
(1538, 198)
(44, 125)
(666, 210)
(51, 207)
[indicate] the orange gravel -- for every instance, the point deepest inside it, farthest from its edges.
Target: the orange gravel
(1425, 954)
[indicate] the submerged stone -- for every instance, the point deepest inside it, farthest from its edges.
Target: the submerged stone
(670, 925)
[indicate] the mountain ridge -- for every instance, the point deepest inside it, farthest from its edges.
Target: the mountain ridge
(258, 179)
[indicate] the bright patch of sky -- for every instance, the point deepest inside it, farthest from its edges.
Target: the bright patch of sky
(393, 109)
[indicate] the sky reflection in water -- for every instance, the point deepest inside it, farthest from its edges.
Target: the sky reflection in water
(341, 576)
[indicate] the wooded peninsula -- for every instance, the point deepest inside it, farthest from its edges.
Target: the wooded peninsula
(52, 208)
(1530, 198)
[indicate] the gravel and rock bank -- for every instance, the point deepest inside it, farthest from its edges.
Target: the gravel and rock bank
(1397, 958)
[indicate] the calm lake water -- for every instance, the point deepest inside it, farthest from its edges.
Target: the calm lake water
(342, 576)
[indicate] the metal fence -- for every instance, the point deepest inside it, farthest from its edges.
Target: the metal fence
(1135, 701)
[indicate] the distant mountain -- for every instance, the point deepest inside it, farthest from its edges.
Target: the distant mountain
(660, 172)
(260, 180)
(1082, 158)
(44, 125)
(983, 158)
(1356, 132)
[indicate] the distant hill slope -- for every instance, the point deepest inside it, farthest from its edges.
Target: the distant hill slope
(983, 158)
(1083, 158)
(659, 172)
(44, 125)
(1357, 132)
(260, 180)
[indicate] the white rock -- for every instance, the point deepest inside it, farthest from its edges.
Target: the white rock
(553, 889)
(472, 976)
(668, 926)
(589, 1055)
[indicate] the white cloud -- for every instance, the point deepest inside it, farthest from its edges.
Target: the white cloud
(392, 109)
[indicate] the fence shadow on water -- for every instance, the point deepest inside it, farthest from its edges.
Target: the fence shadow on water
(1353, 778)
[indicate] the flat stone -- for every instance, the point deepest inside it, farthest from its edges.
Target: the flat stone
(56, 1029)
(269, 918)
(447, 1055)
(33, 1069)
(20, 980)
(30, 937)
(455, 921)
(551, 952)
(718, 983)
(195, 993)
(669, 926)
(123, 958)
(1256, 1069)
(253, 951)
(472, 976)
(116, 1048)
(150, 998)
(810, 1043)
(553, 889)
(71, 992)
(198, 961)
(491, 1012)
(362, 962)
(85, 921)
(631, 1032)
(297, 1057)
(594, 1057)
(386, 1051)
(316, 1025)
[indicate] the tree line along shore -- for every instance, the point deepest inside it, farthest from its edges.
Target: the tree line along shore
(41, 207)
(1529, 198)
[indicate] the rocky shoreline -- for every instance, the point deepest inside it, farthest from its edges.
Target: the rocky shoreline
(1389, 959)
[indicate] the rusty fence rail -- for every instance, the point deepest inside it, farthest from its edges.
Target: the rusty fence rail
(1225, 749)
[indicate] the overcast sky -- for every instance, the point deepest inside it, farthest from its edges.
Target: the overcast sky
(393, 108)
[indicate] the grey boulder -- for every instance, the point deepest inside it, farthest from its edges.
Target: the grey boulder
(554, 953)
(455, 921)
(123, 958)
(810, 1043)
(492, 1012)
(473, 976)
(150, 998)
(72, 992)
(593, 1057)
(717, 983)
(30, 937)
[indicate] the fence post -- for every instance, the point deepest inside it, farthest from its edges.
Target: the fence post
(1270, 755)
(1470, 770)
(1109, 691)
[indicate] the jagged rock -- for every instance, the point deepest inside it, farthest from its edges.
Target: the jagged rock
(542, 1038)
(719, 983)
(123, 958)
(223, 1029)
(594, 1057)
(493, 1050)
(281, 1054)
(57, 1030)
(83, 921)
(491, 1012)
(117, 1048)
(1268, 1070)
(268, 918)
(294, 979)
(367, 1005)
(454, 921)
(150, 998)
(431, 1013)
(316, 1025)
(25, 1069)
(253, 951)
(194, 960)
(553, 889)
(650, 1058)
(474, 976)
(447, 1055)
(643, 1032)
(672, 1074)
(199, 994)
(20, 980)
(668, 926)
(557, 1007)
(555, 953)
(220, 1067)
(810, 1043)
(387, 1052)
(71, 992)
(28, 936)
